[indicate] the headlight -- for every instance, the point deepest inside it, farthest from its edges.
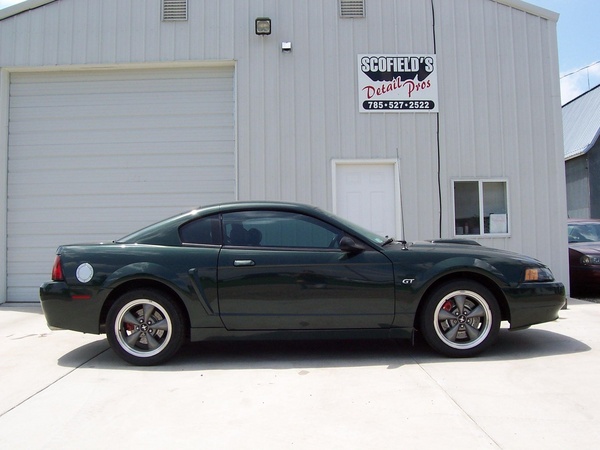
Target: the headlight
(590, 260)
(538, 274)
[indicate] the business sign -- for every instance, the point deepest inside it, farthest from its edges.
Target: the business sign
(397, 83)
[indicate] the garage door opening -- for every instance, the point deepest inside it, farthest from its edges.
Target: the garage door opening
(96, 154)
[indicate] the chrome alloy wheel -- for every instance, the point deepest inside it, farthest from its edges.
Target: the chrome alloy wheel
(462, 319)
(143, 328)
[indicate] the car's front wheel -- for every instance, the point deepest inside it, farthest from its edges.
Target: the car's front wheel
(144, 327)
(460, 319)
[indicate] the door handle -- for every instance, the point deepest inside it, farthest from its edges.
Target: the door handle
(243, 262)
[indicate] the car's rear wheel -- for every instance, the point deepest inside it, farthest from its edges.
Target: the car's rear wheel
(460, 319)
(144, 327)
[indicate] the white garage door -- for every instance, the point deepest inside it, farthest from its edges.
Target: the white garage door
(94, 155)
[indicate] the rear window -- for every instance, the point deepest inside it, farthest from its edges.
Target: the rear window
(203, 231)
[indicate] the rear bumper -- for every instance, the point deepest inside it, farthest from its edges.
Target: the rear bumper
(533, 303)
(65, 311)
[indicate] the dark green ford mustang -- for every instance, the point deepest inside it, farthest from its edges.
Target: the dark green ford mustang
(279, 270)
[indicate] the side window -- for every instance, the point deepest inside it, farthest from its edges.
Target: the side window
(206, 230)
(278, 229)
(480, 208)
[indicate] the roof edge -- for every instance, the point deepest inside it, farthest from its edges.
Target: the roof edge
(519, 4)
(532, 9)
(22, 7)
(586, 149)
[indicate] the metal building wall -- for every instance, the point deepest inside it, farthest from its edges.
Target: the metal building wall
(578, 187)
(500, 117)
(499, 95)
(594, 174)
(299, 110)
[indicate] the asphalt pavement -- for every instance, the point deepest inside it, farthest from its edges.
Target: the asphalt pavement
(537, 388)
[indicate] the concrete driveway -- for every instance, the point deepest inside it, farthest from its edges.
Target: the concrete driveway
(537, 388)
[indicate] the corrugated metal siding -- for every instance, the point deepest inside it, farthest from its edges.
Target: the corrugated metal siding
(500, 118)
(499, 95)
(96, 155)
(70, 32)
(306, 114)
(578, 188)
(594, 172)
(293, 116)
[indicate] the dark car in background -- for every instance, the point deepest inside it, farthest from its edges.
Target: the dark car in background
(267, 270)
(584, 256)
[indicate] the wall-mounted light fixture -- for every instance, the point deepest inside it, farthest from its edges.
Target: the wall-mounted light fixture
(262, 26)
(286, 47)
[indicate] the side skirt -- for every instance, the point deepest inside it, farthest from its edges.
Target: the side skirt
(204, 334)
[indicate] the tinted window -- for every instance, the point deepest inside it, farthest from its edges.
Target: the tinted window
(206, 230)
(278, 229)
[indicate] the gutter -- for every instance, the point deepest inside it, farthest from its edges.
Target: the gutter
(585, 149)
(22, 7)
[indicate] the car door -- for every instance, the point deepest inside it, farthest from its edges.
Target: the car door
(282, 270)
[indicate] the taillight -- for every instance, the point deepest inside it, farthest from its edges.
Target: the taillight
(57, 272)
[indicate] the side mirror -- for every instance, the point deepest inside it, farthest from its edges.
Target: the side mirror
(349, 245)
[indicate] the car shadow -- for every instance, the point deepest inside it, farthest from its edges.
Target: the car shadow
(278, 355)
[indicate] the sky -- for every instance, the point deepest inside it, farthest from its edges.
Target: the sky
(578, 43)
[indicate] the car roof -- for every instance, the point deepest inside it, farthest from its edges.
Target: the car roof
(164, 232)
(249, 205)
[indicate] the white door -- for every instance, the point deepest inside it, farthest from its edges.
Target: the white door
(368, 194)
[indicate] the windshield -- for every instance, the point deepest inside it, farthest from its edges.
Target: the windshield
(373, 237)
(584, 232)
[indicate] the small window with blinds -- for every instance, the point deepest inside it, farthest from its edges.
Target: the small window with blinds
(174, 10)
(352, 8)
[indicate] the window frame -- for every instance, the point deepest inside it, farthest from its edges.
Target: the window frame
(480, 184)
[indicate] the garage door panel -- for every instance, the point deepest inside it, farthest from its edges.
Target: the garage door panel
(121, 82)
(108, 136)
(142, 184)
(90, 107)
(128, 122)
(89, 111)
(94, 156)
(50, 152)
(71, 142)
(45, 165)
(202, 165)
(92, 194)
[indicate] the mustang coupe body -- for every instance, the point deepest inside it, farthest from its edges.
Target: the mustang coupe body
(266, 270)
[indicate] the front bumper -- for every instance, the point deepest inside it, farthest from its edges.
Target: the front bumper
(533, 303)
(65, 311)
(585, 278)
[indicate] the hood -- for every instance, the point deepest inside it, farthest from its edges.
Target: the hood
(589, 248)
(448, 249)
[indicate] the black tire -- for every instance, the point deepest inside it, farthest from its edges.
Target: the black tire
(460, 319)
(145, 327)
